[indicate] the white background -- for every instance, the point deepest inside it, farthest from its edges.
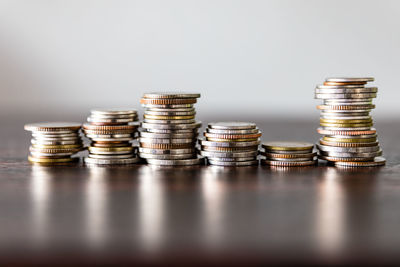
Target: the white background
(252, 58)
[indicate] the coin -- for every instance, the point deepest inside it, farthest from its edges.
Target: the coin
(229, 144)
(289, 156)
(170, 113)
(178, 162)
(190, 121)
(378, 161)
(351, 154)
(350, 79)
(110, 150)
(237, 132)
(229, 159)
(168, 135)
(111, 156)
(53, 126)
(289, 163)
(167, 106)
(232, 140)
(349, 140)
(232, 164)
(122, 127)
(167, 156)
(51, 155)
(288, 145)
(114, 111)
(194, 125)
(345, 121)
(229, 149)
(347, 90)
(334, 96)
(344, 159)
(348, 149)
(176, 101)
(168, 95)
(343, 144)
(232, 136)
(178, 151)
(52, 160)
(88, 160)
(59, 142)
(245, 154)
(232, 125)
(346, 107)
(166, 146)
(166, 140)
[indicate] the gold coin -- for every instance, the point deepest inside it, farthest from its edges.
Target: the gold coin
(160, 117)
(349, 140)
(288, 146)
(378, 161)
(289, 163)
(77, 146)
(289, 156)
(51, 160)
(232, 140)
(343, 121)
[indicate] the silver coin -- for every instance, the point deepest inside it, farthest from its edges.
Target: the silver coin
(349, 79)
(111, 120)
(347, 90)
(347, 149)
(95, 150)
(58, 142)
(327, 158)
(378, 161)
(191, 135)
(170, 113)
(88, 160)
(232, 159)
(109, 136)
(176, 162)
(167, 156)
(351, 155)
(245, 154)
(224, 131)
(166, 131)
(346, 96)
(288, 163)
(348, 101)
(346, 117)
(152, 106)
(345, 129)
(344, 112)
(111, 156)
(114, 139)
(163, 95)
(54, 135)
(114, 111)
(234, 125)
(296, 155)
(59, 138)
(228, 144)
(233, 164)
(191, 121)
(347, 86)
(167, 151)
(285, 152)
(167, 141)
(195, 125)
(105, 117)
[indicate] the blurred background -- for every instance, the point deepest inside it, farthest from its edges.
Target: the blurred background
(255, 60)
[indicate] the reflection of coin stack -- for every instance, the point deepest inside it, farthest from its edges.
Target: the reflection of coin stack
(111, 132)
(346, 123)
(54, 142)
(169, 129)
(231, 143)
(288, 154)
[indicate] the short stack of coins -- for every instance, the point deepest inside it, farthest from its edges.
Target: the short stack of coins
(231, 143)
(111, 132)
(288, 154)
(169, 129)
(54, 142)
(346, 125)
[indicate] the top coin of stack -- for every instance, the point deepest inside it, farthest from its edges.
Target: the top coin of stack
(288, 154)
(111, 132)
(349, 139)
(231, 143)
(169, 129)
(54, 142)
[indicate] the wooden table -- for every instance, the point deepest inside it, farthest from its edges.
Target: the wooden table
(202, 214)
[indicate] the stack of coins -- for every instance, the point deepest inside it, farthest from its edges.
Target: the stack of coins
(346, 125)
(111, 132)
(169, 130)
(54, 142)
(288, 154)
(231, 143)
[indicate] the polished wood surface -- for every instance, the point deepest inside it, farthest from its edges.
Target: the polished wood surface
(202, 214)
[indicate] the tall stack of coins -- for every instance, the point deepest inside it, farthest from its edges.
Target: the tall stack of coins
(288, 154)
(169, 130)
(111, 132)
(231, 143)
(54, 142)
(346, 125)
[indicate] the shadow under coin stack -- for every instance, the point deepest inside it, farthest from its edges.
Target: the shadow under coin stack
(346, 123)
(288, 154)
(231, 143)
(111, 132)
(54, 142)
(169, 130)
